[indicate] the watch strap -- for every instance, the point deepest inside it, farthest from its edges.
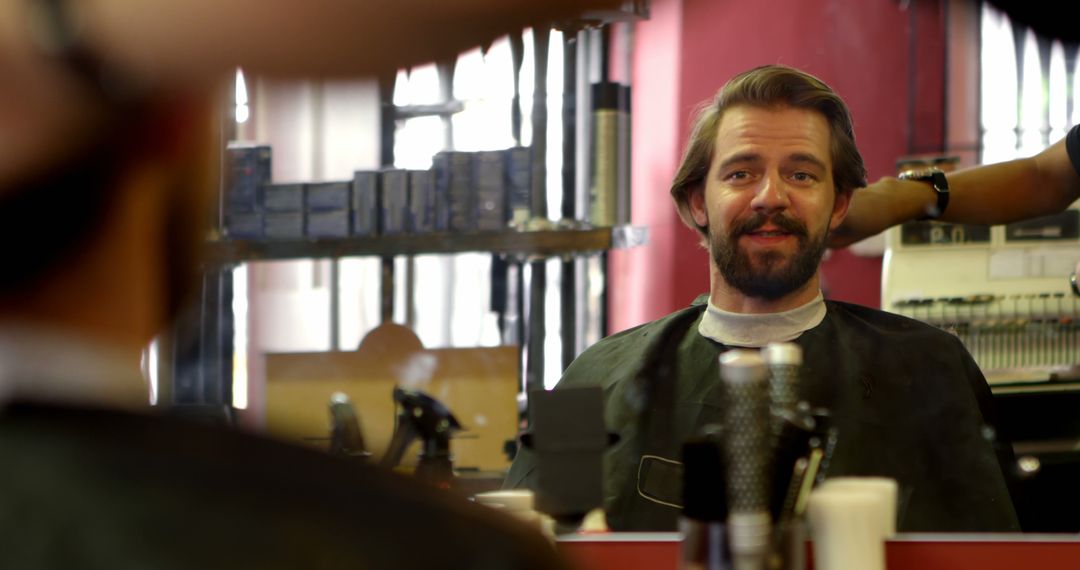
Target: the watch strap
(938, 182)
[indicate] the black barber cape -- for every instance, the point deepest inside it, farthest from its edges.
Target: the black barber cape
(908, 400)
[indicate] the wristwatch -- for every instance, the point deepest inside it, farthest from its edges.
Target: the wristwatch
(938, 182)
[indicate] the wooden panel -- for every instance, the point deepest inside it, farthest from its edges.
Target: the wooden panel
(479, 385)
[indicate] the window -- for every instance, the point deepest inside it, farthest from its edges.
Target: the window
(452, 296)
(1029, 96)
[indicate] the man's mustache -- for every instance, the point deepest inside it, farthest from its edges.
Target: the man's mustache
(756, 220)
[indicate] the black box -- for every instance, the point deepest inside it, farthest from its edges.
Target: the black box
(519, 184)
(460, 190)
(247, 170)
(329, 224)
(283, 198)
(422, 200)
(440, 174)
(365, 203)
(394, 198)
(569, 439)
(328, 196)
(242, 225)
(490, 195)
(284, 225)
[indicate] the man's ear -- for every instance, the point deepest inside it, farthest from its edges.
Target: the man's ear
(840, 208)
(695, 200)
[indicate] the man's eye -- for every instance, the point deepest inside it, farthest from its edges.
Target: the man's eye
(803, 177)
(738, 175)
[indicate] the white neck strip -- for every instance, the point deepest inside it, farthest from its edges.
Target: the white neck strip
(757, 330)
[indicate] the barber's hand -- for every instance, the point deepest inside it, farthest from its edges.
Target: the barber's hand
(874, 209)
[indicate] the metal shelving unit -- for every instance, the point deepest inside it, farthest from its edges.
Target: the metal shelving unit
(518, 301)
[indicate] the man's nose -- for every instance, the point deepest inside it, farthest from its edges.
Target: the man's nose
(772, 195)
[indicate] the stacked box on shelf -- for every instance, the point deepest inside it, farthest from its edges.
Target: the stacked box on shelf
(440, 175)
(284, 211)
(490, 190)
(284, 225)
(393, 192)
(365, 203)
(455, 180)
(328, 209)
(243, 225)
(247, 172)
(519, 184)
(422, 201)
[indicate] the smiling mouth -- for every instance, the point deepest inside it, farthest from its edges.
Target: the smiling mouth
(770, 233)
(769, 230)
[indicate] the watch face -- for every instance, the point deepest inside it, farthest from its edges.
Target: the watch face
(941, 184)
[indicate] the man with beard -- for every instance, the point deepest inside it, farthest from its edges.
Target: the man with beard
(106, 116)
(768, 173)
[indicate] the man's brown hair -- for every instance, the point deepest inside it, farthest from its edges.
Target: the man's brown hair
(768, 86)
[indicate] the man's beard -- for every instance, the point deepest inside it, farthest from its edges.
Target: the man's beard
(768, 275)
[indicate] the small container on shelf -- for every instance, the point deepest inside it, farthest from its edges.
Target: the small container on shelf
(394, 198)
(604, 170)
(247, 171)
(422, 201)
(454, 179)
(440, 179)
(284, 225)
(329, 224)
(519, 185)
(365, 203)
(241, 225)
(328, 196)
(490, 190)
(283, 198)
(328, 210)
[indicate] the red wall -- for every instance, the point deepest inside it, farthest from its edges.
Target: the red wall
(859, 47)
(651, 281)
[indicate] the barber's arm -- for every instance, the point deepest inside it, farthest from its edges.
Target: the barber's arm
(993, 194)
(193, 39)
